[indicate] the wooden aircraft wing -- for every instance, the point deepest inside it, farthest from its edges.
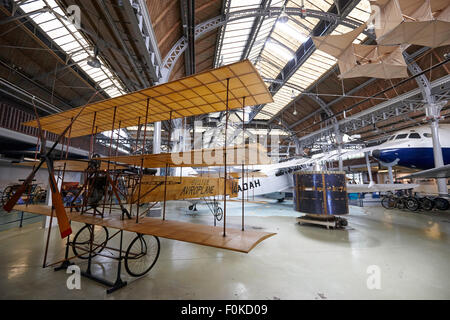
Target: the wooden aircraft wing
(418, 22)
(251, 154)
(198, 94)
(235, 240)
(178, 188)
(255, 174)
(72, 165)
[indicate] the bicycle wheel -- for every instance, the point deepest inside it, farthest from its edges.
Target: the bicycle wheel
(141, 255)
(441, 203)
(388, 203)
(412, 203)
(400, 203)
(426, 204)
(81, 243)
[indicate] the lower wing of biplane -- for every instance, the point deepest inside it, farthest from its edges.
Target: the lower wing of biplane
(235, 240)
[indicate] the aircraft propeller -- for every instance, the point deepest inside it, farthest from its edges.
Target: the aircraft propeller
(57, 201)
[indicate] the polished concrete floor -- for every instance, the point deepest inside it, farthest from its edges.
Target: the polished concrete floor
(410, 250)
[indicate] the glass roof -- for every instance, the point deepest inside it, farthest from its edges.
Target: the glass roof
(314, 67)
(73, 43)
(237, 32)
(276, 43)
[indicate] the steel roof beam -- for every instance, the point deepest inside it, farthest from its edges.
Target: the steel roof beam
(139, 17)
(203, 28)
(370, 115)
(110, 21)
(324, 27)
(257, 23)
(187, 8)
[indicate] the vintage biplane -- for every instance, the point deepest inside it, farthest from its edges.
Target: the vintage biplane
(114, 188)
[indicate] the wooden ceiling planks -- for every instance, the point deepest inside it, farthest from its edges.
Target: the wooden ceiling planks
(201, 93)
(333, 86)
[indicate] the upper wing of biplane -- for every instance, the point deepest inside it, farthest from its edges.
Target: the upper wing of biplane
(250, 154)
(71, 165)
(198, 94)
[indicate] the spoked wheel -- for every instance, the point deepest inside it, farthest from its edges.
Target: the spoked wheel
(388, 203)
(426, 204)
(441, 203)
(341, 222)
(400, 204)
(141, 255)
(81, 244)
(218, 214)
(6, 195)
(412, 204)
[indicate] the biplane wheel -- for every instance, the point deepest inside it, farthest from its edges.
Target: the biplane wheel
(141, 255)
(7, 193)
(219, 214)
(81, 242)
(191, 208)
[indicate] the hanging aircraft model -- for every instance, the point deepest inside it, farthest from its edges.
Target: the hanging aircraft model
(397, 24)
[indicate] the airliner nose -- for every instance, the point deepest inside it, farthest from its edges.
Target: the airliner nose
(376, 153)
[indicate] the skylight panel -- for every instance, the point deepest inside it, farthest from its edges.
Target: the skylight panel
(31, 6)
(290, 34)
(235, 32)
(63, 33)
(44, 18)
(69, 46)
(277, 50)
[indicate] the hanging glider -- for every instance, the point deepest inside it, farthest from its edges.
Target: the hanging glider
(357, 60)
(418, 22)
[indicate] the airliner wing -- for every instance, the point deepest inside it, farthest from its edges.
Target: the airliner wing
(283, 165)
(382, 187)
(442, 172)
(346, 153)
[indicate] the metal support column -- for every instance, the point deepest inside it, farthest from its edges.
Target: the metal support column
(369, 169)
(391, 176)
(433, 111)
(225, 165)
(243, 160)
(339, 142)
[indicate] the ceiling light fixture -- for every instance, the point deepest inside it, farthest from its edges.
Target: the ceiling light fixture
(93, 61)
(283, 18)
